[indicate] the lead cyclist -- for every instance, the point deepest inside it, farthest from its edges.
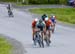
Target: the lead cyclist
(41, 25)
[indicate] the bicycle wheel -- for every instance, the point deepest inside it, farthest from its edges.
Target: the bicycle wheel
(39, 43)
(42, 43)
(47, 42)
(40, 40)
(53, 29)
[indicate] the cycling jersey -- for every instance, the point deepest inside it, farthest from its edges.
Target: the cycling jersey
(53, 19)
(48, 23)
(33, 24)
(40, 25)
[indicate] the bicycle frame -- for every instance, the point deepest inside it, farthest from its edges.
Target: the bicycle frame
(39, 39)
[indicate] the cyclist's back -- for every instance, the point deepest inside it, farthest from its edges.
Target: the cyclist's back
(48, 23)
(33, 24)
(40, 24)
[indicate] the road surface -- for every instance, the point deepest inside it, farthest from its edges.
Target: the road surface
(19, 28)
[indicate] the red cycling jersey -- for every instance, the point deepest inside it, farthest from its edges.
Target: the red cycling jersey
(48, 23)
(33, 24)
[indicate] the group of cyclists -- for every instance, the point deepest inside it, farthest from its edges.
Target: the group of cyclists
(44, 24)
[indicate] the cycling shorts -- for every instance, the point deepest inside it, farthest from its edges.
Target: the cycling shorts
(40, 27)
(48, 28)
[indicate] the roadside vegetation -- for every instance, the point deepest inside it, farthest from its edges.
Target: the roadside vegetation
(5, 47)
(62, 14)
(37, 1)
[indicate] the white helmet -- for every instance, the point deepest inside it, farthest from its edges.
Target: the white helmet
(46, 19)
(53, 16)
(36, 19)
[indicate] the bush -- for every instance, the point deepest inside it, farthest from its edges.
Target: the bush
(63, 1)
(48, 1)
(39, 1)
(10, 0)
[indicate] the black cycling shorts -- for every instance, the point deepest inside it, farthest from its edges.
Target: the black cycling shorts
(48, 28)
(40, 27)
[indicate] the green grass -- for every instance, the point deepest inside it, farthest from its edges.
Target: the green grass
(63, 14)
(5, 47)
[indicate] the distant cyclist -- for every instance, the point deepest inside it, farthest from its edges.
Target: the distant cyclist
(53, 19)
(48, 23)
(9, 10)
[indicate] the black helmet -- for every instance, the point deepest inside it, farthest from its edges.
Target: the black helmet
(44, 14)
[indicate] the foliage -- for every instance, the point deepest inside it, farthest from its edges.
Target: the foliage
(5, 47)
(38, 1)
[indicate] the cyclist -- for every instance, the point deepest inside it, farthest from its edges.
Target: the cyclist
(44, 16)
(34, 26)
(10, 13)
(9, 7)
(48, 23)
(41, 25)
(53, 19)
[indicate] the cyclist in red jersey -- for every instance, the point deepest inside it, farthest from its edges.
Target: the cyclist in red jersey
(34, 27)
(48, 23)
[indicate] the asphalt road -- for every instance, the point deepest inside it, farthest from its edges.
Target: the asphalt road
(19, 28)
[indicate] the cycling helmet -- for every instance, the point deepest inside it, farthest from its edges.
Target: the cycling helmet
(36, 19)
(44, 14)
(46, 19)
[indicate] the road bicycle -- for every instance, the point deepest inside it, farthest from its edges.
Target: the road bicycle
(38, 39)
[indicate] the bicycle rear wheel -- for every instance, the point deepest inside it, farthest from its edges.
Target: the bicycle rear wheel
(47, 42)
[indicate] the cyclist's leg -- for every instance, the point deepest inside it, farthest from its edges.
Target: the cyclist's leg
(45, 35)
(34, 37)
(53, 27)
(49, 33)
(33, 33)
(42, 36)
(44, 31)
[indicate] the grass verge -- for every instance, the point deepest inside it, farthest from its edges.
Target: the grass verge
(62, 14)
(5, 47)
